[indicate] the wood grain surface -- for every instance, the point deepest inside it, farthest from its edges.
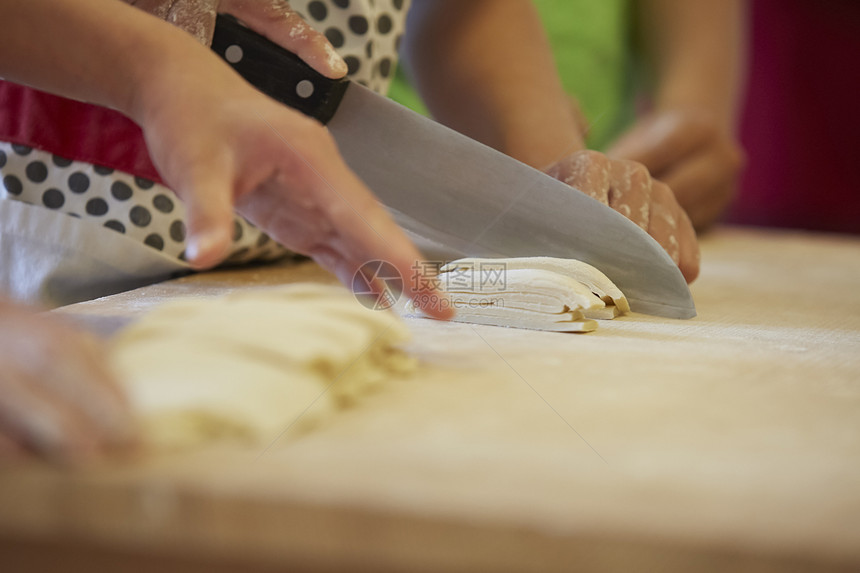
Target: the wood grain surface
(730, 441)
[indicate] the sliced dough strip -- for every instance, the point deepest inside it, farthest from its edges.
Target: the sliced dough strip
(586, 274)
(539, 293)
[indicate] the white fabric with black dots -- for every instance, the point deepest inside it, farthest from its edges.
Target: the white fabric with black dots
(136, 207)
(365, 32)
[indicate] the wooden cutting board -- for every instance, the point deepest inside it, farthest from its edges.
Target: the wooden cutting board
(730, 441)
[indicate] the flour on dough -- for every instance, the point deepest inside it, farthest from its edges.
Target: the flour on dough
(540, 293)
(251, 364)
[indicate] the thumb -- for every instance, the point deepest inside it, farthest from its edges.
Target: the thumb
(642, 145)
(284, 26)
(658, 141)
(207, 195)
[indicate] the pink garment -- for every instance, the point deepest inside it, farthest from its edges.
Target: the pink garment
(73, 130)
(801, 123)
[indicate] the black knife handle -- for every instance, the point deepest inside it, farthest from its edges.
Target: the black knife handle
(275, 71)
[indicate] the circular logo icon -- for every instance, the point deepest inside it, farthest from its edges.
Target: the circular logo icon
(377, 285)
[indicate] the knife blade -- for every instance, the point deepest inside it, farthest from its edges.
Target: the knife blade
(456, 197)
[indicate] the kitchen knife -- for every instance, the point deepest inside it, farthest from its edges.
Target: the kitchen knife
(454, 196)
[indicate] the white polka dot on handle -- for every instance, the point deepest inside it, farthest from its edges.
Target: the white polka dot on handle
(305, 89)
(233, 54)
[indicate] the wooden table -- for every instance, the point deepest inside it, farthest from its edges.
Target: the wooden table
(730, 441)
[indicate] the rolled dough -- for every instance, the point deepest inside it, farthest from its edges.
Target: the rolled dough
(540, 293)
(253, 364)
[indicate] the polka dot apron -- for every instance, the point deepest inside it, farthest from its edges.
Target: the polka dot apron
(127, 198)
(141, 209)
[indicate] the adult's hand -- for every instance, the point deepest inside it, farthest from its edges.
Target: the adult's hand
(57, 398)
(627, 187)
(271, 18)
(692, 154)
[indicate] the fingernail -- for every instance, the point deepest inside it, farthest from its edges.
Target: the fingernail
(204, 246)
(61, 444)
(335, 61)
(437, 304)
(46, 433)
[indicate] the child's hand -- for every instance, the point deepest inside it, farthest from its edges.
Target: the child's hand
(271, 18)
(691, 154)
(219, 144)
(628, 188)
(56, 397)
